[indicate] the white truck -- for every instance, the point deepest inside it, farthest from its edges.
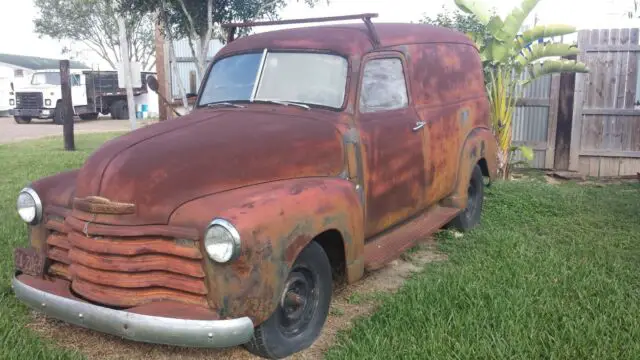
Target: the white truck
(92, 93)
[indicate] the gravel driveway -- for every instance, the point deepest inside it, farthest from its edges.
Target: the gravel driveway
(11, 132)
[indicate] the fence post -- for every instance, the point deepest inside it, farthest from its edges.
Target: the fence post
(67, 106)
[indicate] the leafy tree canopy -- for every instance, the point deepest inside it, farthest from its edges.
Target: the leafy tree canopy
(94, 23)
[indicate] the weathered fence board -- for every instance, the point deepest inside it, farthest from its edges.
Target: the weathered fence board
(605, 138)
(534, 121)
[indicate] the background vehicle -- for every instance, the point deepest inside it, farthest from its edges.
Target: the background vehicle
(92, 93)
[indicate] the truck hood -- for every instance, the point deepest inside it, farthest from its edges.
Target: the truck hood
(162, 166)
(38, 88)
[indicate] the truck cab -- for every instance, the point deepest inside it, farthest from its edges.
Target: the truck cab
(312, 155)
(42, 97)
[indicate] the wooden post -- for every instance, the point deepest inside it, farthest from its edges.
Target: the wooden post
(126, 69)
(565, 116)
(161, 73)
(67, 106)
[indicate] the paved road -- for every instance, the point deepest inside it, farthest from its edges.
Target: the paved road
(11, 132)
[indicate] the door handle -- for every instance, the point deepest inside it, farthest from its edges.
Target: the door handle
(419, 125)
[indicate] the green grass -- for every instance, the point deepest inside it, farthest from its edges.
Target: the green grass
(553, 273)
(21, 163)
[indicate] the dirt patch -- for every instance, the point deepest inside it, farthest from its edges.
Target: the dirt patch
(349, 303)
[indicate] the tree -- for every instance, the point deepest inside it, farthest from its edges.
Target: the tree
(507, 54)
(199, 21)
(94, 23)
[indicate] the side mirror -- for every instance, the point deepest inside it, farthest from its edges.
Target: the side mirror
(12, 89)
(152, 83)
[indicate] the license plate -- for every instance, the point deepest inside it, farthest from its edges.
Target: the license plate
(29, 261)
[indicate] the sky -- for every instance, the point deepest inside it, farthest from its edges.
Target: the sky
(18, 37)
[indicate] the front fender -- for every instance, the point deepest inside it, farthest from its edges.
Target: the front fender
(275, 221)
(480, 144)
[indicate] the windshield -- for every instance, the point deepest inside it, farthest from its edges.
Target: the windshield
(49, 78)
(309, 78)
(52, 78)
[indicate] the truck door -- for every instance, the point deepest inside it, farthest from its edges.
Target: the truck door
(78, 90)
(392, 143)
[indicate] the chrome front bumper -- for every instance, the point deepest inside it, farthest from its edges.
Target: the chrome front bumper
(137, 327)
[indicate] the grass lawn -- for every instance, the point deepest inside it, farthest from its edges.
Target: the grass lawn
(553, 272)
(19, 164)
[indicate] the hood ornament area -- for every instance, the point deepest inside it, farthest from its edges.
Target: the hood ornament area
(100, 205)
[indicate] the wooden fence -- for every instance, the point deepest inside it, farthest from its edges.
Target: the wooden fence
(605, 137)
(592, 120)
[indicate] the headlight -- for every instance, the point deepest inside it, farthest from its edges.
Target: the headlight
(11, 102)
(222, 241)
(47, 102)
(29, 206)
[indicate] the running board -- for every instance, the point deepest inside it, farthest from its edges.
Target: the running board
(390, 245)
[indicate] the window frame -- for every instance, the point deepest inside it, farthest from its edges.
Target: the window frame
(348, 83)
(405, 71)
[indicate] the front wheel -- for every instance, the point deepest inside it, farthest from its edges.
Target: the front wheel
(470, 216)
(22, 119)
(57, 114)
(299, 317)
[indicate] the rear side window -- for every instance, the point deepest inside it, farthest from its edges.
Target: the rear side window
(383, 86)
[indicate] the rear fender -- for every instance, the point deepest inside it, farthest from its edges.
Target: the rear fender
(480, 144)
(275, 221)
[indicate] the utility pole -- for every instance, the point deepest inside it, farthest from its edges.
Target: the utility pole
(126, 69)
(67, 106)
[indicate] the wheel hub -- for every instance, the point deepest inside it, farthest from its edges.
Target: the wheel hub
(298, 303)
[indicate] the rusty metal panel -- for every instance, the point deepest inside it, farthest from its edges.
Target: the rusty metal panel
(530, 120)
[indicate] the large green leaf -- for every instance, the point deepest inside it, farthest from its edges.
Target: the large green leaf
(542, 31)
(541, 50)
(536, 70)
(499, 51)
(513, 21)
(477, 8)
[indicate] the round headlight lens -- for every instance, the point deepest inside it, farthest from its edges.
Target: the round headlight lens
(222, 241)
(29, 206)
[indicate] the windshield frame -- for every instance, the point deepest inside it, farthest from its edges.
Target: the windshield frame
(265, 51)
(75, 79)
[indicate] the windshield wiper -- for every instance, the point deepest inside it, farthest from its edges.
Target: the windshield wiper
(225, 104)
(287, 103)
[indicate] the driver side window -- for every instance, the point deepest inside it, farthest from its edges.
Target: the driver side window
(383, 86)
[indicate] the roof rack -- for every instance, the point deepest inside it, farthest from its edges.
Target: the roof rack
(366, 18)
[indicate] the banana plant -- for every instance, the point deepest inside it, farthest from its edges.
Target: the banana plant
(508, 54)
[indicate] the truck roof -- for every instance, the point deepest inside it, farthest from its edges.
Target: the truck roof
(345, 39)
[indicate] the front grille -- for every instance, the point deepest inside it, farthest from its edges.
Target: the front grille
(125, 271)
(29, 100)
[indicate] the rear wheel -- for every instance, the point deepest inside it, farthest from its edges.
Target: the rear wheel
(119, 110)
(57, 114)
(89, 116)
(470, 217)
(22, 119)
(298, 320)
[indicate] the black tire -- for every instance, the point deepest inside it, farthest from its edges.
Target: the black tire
(22, 119)
(119, 110)
(89, 116)
(285, 334)
(470, 216)
(57, 114)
